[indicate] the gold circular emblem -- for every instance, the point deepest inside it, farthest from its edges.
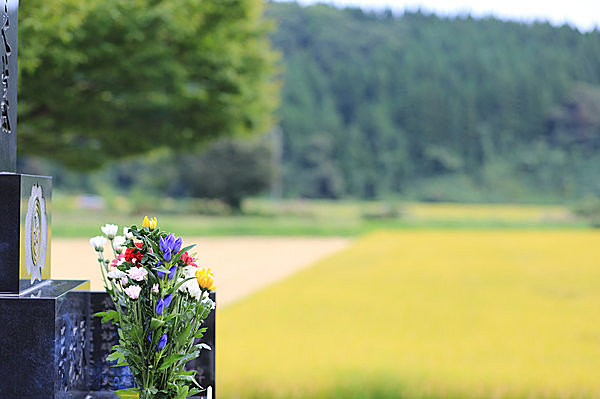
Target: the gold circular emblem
(36, 231)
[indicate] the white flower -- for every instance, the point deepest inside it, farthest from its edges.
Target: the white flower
(137, 273)
(133, 292)
(127, 234)
(110, 230)
(208, 302)
(118, 244)
(191, 287)
(98, 243)
(116, 274)
(155, 288)
(124, 281)
(189, 271)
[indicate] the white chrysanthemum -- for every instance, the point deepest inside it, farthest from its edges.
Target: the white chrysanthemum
(110, 230)
(98, 243)
(118, 244)
(191, 287)
(116, 274)
(127, 234)
(189, 271)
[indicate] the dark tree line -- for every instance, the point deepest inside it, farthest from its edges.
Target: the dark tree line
(438, 108)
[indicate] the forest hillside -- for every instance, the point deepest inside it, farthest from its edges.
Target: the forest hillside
(435, 108)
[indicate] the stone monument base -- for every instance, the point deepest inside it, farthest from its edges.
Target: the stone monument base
(52, 347)
(44, 340)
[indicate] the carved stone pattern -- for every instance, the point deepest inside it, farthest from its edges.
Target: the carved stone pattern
(72, 349)
(36, 232)
(4, 102)
(104, 336)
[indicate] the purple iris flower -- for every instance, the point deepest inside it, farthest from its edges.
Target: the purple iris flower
(169, 245)
(162, 244)
(162, 342)
(160, 307)
(150, 336)
(177, 245)
(172, 272)
(168, 300)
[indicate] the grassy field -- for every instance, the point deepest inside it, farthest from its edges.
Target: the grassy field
(424, 314)
(313, 218)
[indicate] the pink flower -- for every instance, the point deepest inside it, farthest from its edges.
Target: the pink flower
(133, 291)
(188, 260)
(124, 281)
(155, 288)
(118, 260)
(137, 273)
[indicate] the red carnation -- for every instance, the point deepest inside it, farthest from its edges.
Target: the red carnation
(133, 255)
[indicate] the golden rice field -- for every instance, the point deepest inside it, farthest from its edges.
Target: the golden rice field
(424, 314)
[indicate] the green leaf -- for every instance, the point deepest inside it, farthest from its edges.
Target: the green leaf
(189, 378)
(136, 333)
(200, 333)
(110, 315)
(155, 323)
(170, 360)
(181, 251)
(189, 356)
(129, 393)
(113, 356)
(181, 282)
(184, 335)
(162, 269)
(182, 392)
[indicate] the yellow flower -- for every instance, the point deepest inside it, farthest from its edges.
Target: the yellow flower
(206, 279)
(150, 223)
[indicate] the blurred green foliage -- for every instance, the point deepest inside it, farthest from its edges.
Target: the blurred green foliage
(198, 217)
(436, 108)
(373, 106)
(107, 79)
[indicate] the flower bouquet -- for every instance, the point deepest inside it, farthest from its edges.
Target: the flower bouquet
(161, 299)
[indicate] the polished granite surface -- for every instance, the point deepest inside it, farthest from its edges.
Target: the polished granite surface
(25, 231)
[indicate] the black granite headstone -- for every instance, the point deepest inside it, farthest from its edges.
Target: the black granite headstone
(9, 29)
(24, 199)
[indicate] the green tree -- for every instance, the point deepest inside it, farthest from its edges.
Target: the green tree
(228, 170)
(106, 79)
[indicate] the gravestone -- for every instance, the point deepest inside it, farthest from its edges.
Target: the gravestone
(44, 322)
(24, 199)
(51, 345)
